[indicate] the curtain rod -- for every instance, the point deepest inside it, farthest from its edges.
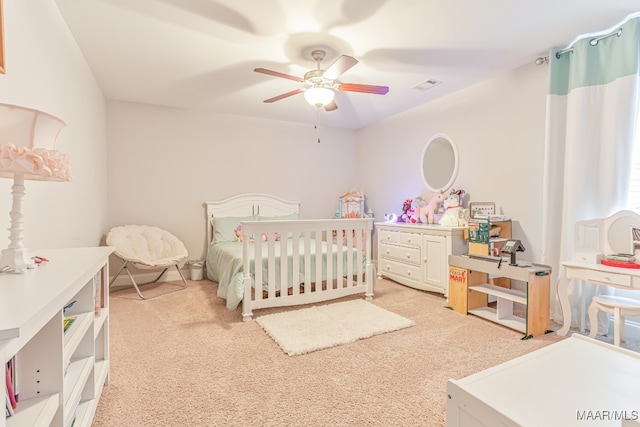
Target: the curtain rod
(593, 42)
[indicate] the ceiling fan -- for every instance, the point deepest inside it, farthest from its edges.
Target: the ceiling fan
(319, 85)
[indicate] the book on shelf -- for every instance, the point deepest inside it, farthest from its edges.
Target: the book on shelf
(11, 402)
(68, 321)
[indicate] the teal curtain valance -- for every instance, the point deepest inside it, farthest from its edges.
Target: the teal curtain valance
(613, 57)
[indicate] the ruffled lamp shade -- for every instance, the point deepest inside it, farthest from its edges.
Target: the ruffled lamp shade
(27, 151)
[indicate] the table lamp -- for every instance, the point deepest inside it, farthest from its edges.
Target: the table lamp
(27, 152)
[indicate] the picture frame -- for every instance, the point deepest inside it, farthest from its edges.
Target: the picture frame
(482, 209)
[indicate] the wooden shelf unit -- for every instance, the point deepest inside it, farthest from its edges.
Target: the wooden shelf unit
(60, 374)
(469, 291)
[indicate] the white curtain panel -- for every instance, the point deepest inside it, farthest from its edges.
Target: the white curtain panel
(592, 114)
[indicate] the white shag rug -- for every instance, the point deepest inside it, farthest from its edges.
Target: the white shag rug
(315, 328)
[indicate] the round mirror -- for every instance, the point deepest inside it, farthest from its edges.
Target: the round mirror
(439, 163)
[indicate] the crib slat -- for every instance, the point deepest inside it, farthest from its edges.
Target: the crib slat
(284, 272)
(307, 262)
(257, 266)
(351, 248)
(329, 257)
(318, 257)
(271, 268)
(359, 245)
(296, 263)
(339, 248)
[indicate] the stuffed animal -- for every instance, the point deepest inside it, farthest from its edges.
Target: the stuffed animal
(453, 213)
(427, 211)
(265, 237)
(239, 234)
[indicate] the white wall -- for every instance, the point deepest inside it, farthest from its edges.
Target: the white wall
(45, 70)
(499, 129)
(164, 163)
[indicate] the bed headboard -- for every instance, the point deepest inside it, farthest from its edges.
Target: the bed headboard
(248, 204)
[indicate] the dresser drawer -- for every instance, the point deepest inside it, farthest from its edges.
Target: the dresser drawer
(403, 253)
(389, 236)
(410, 239)
(606, 277)
(399, 269)
(400, 237)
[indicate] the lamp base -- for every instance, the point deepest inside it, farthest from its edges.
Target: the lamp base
(16, 260)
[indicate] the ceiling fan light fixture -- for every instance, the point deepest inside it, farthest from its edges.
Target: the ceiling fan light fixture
(319, 96)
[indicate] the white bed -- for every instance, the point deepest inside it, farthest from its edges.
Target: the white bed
(325, 259)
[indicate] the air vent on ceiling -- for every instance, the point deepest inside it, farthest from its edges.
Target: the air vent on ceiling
(427, 84)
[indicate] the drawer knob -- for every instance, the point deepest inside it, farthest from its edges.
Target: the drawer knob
(408, 256)
(388, 251)
(408, 273)
(409, 240)
(388, 267)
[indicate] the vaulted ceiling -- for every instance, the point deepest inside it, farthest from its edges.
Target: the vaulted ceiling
(201, 54)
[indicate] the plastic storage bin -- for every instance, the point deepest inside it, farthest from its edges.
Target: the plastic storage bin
(196, 269)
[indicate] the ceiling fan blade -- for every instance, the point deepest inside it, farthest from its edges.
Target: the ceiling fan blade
(284, 95)
(331, 106)
(341, 65)
(277, 74)
(354, 87)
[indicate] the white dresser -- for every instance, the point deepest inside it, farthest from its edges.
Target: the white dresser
(417, 255)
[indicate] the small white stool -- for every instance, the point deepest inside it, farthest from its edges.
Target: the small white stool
(616, 305)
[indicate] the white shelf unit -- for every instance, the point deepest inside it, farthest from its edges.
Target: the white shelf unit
(59, 374)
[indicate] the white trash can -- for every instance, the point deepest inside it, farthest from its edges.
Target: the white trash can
(196, 270)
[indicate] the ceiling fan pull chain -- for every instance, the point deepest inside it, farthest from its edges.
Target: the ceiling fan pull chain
(315, 125)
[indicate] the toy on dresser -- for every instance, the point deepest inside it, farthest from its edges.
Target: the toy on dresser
(454, 215)
(408, 212)
(426, 210)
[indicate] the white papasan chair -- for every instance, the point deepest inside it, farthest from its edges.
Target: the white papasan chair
(147, 247)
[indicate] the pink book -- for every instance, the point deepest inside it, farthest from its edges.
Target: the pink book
(12, 397)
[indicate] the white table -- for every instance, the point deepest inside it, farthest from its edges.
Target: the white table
(623, 278)
(575, 382)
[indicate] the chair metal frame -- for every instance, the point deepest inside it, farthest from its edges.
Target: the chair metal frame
(137, 286)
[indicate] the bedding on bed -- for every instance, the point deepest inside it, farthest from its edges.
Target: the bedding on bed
(225, 266)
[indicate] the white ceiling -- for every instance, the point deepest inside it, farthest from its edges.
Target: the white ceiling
(200, 54)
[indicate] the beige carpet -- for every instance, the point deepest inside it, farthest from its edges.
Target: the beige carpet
(318, 327)
(185, 360)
